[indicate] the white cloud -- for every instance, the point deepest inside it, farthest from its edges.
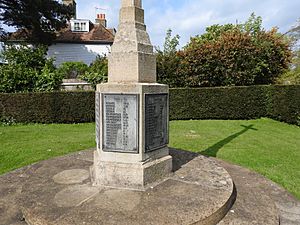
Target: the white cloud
(191, 17)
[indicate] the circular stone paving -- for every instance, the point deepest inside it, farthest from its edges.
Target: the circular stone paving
(74, 176)
(199, 191)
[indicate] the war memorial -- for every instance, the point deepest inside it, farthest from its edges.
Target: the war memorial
(132, 177)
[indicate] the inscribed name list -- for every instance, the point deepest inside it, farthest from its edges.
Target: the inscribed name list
(156, 121)
(120, 123)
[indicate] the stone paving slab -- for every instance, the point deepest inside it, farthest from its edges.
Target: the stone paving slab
(259, 201)
(254, 188)
(200, 191)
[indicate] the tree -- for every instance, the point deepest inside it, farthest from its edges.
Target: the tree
(28, 70)
(241, 54)
(168, 62)
(97, 72)
(38, 18)
(292, 76)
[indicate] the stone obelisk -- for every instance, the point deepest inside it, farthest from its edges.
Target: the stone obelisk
(132, 110)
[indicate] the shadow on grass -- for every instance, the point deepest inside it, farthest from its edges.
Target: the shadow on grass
(213, 150)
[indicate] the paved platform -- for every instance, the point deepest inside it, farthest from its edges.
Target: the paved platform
(53, 191)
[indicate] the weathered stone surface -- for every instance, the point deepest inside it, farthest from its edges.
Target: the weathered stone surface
(174, 201)
(133, 159)
(74, 196)
(34, 188)
(129, 175)
(74, 176)
(132, 59)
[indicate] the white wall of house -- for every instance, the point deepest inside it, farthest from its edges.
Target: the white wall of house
(69, 52)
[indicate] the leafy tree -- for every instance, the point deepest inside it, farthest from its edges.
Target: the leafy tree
(242, 54)
(28, 70)
(39, 18)
(97, 72)
(72, 70)
(168, 61)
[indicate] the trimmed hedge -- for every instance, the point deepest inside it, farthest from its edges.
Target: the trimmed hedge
(52, 107)
(218, 103)
(284, 103)
(277, 102)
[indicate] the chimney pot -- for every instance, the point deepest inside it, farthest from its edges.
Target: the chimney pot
(100, 19)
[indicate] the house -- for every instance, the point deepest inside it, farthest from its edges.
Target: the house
(82, 40)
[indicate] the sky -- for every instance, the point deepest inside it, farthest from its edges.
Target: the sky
(190, 17)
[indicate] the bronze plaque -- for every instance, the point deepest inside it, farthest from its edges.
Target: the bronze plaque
(156, 121)
(120, 123)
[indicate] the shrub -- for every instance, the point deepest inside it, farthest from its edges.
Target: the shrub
(49, 79)
(278, 102)
(27, 70)
(218, 103)
(97, 72)
(72, 70)
(243, 54)
(16, 78)
(168, 62)
(284, 103)
(51, 107)
(226, 55)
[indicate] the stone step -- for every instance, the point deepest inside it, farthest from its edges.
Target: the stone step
(259, 201)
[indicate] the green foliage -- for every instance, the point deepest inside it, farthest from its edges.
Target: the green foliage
(28, 70)
(25, 56)
(284, 103)
(97, 72)
(218, 103)
(49, 79)
(278, 102)
(72, 70)
(16, 78)
(49, 107)
(292, 76)
(168, 62)
(225, 55)
(39, 19)
(243, 54)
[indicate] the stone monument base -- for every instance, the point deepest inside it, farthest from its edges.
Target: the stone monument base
(137, 175)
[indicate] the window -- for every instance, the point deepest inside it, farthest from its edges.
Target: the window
(80, 26)
(76, 26)
(83, 26)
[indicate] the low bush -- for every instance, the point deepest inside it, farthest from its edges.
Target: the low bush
(72, 70)
(52, 107)
(277, 102)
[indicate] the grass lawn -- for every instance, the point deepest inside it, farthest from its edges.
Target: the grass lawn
(266, 146)
(22, 145)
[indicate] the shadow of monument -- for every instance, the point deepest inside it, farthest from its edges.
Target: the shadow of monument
(181, 157)
(213, 150)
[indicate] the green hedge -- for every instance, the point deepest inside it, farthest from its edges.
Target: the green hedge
(52, 107)
(277, 102)
(284, 103)
(218, 103)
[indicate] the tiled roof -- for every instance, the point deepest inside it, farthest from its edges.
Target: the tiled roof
(98, 33)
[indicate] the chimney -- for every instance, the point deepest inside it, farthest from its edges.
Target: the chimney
(101, 20)
(71, 3)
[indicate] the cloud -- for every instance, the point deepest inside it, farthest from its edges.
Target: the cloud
(190, 17)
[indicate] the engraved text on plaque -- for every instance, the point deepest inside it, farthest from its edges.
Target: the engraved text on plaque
(156, 121)
(120, 122)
